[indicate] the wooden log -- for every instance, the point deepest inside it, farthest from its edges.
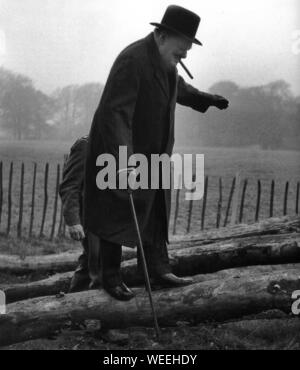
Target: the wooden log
(216, 299)
(189, 261)
(276, 225)
(9, 203)
(60, 282)
(21, 202)
(45, 199)
(68, 261)
(262, 250)
(32, 200)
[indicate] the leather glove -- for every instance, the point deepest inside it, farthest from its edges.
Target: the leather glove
(220, 102)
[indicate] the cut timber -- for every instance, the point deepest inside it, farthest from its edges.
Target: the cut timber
(269, 226)
(53, 262)
(68, 261)
(49, 263)
(216, 299)
(261, 250)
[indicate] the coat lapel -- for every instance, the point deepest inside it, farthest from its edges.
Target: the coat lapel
(160, 73)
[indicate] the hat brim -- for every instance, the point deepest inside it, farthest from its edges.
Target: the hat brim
(163, 26)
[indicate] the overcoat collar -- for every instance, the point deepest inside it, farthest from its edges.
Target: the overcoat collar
(160, 72)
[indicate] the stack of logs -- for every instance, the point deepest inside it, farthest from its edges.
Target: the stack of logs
(239, 270)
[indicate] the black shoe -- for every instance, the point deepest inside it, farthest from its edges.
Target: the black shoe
(79, 283)
(171, 280)
(120, 291)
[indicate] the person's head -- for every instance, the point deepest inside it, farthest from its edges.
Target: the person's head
(171, 46)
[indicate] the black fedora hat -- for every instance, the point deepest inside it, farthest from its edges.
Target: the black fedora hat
(181, 21)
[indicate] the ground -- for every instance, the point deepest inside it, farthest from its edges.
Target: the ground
(263, 332)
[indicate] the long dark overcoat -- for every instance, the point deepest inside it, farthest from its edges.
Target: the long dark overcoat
(136, 110)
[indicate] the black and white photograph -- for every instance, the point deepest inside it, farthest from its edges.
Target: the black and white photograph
(149, 178)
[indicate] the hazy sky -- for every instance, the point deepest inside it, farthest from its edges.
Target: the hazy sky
(60, 42)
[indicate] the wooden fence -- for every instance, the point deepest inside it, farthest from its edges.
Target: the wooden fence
(25, 213)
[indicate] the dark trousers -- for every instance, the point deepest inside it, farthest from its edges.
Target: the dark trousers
(104, 257)
(105, 262)
(82, 268)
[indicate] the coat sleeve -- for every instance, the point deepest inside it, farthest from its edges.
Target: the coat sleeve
(71, 187)
(117, 107)
(189, 96)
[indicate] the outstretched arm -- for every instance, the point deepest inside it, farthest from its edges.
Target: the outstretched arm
(198, 100)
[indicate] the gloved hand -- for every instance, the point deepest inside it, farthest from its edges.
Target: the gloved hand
(220, 102)
(76, 232)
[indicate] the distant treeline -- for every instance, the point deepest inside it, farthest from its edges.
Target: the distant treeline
(27, 113)
(267, 116)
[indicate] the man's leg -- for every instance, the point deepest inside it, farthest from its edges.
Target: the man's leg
(94, 261)
(80, 280)
(111, 254)
(156, 251)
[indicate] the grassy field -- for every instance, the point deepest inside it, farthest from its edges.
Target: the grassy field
(252, 163)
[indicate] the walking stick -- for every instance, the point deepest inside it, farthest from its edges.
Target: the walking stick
(144, 264)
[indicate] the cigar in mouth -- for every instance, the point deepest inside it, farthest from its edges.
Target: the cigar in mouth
(187, 71)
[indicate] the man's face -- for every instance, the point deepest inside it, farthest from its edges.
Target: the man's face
(172, 49)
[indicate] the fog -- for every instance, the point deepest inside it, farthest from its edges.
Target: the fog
(61, 42)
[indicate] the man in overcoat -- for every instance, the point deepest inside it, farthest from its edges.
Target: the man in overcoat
(136, 111)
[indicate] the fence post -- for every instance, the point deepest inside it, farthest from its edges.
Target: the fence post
(55, 202)
(45, 198)
(272, 197)
(1, 190)
(190, 209)
(219, 208)
(235, 199)
(32, 200)
(11, 169)
(62, 227)
(243, 200)
(258, 200)
(177, 203)
(297, 198)
(19, 227)
(285, 198)
(229, 201)
(204, 202)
